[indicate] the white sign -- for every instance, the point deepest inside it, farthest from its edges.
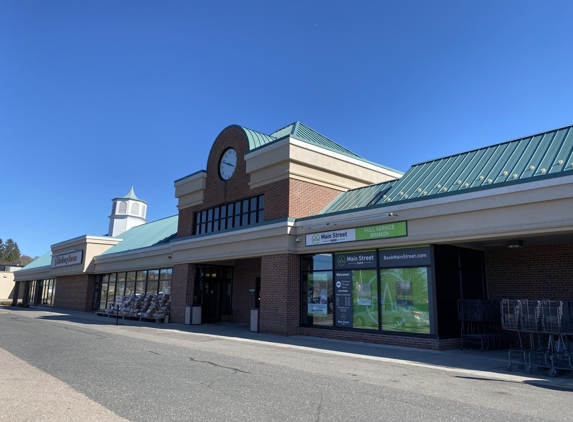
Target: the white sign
(118, 300)
(317, 309)
(68, 258)
(337, 236)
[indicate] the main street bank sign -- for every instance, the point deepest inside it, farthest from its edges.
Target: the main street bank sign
(381, 231)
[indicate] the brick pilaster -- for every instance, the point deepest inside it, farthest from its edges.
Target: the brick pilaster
(182, 287)
(280, 294)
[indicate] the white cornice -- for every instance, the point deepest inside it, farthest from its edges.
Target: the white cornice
(38, 273)
(82, 240)
(504, 196)
(323, 151)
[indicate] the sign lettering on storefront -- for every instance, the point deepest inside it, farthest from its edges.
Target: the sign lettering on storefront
(408, 257)
(380, 231)
(343, 294)
(68, 258)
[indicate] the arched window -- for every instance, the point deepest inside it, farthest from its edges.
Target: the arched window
(122, 207)
(135, 208)
(143, 211)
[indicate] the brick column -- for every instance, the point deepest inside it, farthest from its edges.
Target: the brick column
(26, 292)
(280, 294)
(74, 292)
(15, 294)
(181, 291)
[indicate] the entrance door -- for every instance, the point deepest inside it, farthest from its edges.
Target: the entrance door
(213, 291)
(212, 299)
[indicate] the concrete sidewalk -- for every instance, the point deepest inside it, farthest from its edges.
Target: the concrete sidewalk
(470, 361)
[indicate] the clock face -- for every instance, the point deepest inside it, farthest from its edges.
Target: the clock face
(228, 164)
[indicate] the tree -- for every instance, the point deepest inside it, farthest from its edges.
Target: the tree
(9, 252)
(25, 259)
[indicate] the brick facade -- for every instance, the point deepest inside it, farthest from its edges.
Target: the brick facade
(387, 339)
(280, 294)
(535, 272)
(182, 287)
(284, 198)
(75, 292)
(245, 274)
(279, 274)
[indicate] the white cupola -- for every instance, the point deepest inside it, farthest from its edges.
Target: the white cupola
(127, 212)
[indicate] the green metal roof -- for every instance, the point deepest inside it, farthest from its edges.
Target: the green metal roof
(151, 234)
(303, 133)
(547, 154)
(256, 139)
(43, 261)
(536, 157)
(131, 194)
(359, 197)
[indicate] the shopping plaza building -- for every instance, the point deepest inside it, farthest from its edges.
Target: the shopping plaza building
(324, 242)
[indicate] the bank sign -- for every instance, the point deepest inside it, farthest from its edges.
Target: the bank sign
(381, 231)
(65, 259)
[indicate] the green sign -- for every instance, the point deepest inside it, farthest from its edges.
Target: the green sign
(382, 231)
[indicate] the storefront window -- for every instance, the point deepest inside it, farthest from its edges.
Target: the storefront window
(365, 299)
(111, 294)
(120, 288)
(140, 287)
(103, 301)
(152, 287)
(129, 287)
(384, 290)
(120, 284)
(48, 291)
(317, 262)
(404, 300)
(319, 297)
(165, 286)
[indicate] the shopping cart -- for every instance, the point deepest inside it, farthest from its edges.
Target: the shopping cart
(544, 329)
(478, 318)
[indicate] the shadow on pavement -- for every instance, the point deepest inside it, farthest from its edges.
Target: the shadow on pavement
(488, 362)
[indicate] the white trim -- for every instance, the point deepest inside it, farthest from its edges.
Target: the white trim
(323, 151)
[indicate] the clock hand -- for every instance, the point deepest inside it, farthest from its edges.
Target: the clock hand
(229, 164)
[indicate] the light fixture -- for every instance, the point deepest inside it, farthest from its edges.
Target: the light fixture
(514, 244)
(297, 240)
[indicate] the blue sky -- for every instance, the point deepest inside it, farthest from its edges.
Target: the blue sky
(97, 96)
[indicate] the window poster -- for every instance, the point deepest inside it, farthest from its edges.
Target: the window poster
(365, 299)
(343, 294)
(318, 287)
(363, 295)
(404, 293)
(404, 300)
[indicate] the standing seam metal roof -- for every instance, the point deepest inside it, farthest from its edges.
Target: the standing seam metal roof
(359, 197)
(151, 234)
(544, 155)
(303, 133)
